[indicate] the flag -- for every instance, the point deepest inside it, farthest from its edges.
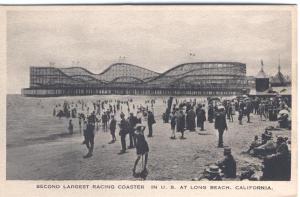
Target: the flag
(262, 63)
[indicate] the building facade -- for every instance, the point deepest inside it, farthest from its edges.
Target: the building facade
(197, 78)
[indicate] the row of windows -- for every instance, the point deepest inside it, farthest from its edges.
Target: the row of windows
(121, 91)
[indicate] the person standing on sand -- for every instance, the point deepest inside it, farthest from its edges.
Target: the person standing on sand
(151, 121)
(54, 112)
(240, 117)
(124, 130)
(220, 124)
(90, 135)
(190, 119)
(181, 124)
(142, 149)
(112, 127)
(173, 118)
(201, 117)
(210, 113)
(70, 128)
(79, 122)
(104, 121)
(132, 122)
(248, 109)
(228, 164)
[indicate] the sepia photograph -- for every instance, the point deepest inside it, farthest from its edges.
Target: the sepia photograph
(150, 92)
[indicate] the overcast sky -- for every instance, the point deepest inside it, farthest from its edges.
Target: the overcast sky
(157, 38)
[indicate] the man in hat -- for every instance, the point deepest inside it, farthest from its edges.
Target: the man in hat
(173, 118)
(278, 166)
(240, 117)
(124, 130)
(213, 173)
(262, 110)
(220, 124)
(93, 117)
(89, 141)
(283, 119)
(190, 119)
(228, 164)
(132, 122)
(181, 123)
(112, 127)
(210, 113)
(248, 173)
(248, 109)
(70, 128)
(268, 147)
(201, 117)
(104, 121)
(282, 149)
(151, 121)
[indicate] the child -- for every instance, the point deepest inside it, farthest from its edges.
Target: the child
(142, 150)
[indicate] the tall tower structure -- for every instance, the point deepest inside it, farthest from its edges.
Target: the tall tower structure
(261, 80)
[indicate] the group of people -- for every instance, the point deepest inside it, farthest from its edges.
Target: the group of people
(127, 126)
(189, 115)
(185, 119)
(184, 116)
(111, 116)
(131, 120)
(275, 155)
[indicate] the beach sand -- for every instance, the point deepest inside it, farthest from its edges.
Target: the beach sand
(38, 147)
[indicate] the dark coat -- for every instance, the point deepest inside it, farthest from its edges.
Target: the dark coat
(201, 117)
(220, 121)
(124, 127)
(90, 130)
(151, 120)
(210, 113)
(141, 144)
(228, 166)
(104, 118)
(112, 125)
(180, 123)
(190, 120)
(132, 122)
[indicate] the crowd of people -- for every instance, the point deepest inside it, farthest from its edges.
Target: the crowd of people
(131, 120)
(111, 115)
(185, 114)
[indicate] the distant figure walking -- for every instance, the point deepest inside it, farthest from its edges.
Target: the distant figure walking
(151, 121)
(70, 128)
(124, 130)
(112, 127)
(201, 117)
(79, 123)
(132, 122)
(181, 124)
(240, 117)
(90, 135)
(190, 119)
(210, 113)
(104, 121)
(173, 118)
(220, 124)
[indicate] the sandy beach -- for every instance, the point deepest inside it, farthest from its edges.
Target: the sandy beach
(38, 147)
